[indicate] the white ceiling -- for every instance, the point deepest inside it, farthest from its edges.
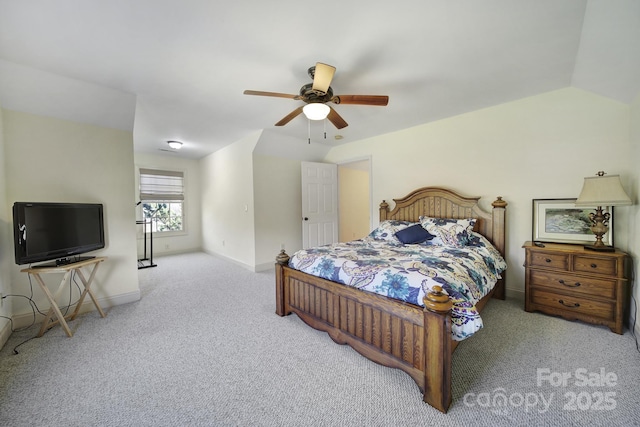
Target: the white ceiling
(177, 69)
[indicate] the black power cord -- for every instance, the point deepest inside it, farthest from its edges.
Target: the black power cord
(34, 307)
(634, 312)
(632, 326)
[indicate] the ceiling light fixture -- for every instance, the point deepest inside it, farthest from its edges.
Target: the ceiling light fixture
(316, 111)
(176, 145)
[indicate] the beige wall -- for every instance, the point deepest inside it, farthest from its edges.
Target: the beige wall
(53, 160)
(538, 147)
(191, 238)
(354, 204)
(533, 148)
(278, 208)
(227, 197)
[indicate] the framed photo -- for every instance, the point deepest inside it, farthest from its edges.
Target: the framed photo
(560, 221)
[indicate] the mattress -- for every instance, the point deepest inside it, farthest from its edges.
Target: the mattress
(407, 272)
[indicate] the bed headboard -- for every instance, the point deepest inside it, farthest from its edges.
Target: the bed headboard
(442, 203)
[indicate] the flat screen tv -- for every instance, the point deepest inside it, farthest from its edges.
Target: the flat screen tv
(56, 231)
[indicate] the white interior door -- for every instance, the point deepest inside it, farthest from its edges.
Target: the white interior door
(319, 204)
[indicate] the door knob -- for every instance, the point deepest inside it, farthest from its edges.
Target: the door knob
(306, 219)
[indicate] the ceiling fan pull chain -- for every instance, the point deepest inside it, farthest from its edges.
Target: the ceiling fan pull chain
(324, 123)
(309, 129)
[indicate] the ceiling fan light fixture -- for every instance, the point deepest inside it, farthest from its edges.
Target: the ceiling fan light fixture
(176, 145)
(318, 94)
(316, 111)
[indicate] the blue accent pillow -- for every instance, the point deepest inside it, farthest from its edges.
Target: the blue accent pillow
(414, 234)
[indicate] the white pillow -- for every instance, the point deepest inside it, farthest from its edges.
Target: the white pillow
(452, 232)
(387, 229)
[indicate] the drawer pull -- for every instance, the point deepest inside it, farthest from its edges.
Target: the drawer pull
(547, 260)
(575, 285)
(594, 265)
(574, 305)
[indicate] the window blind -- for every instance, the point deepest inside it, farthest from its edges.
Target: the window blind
(163, 185)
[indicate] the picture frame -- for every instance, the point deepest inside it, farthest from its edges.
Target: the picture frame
(560, 221)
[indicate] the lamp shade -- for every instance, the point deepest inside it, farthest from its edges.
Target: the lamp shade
(316, 111)
(603, 190)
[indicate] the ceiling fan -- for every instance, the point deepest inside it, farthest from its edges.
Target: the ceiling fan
(317, 94)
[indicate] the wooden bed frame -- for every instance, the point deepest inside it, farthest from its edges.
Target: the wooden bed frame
(390, 332)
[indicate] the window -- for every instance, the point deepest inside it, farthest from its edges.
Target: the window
(163, 216)
(162, 197)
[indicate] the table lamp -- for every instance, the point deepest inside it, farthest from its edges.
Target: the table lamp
(601, 190)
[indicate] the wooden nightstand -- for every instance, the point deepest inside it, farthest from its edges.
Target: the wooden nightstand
(574, 283)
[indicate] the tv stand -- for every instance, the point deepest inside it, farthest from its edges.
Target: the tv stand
(67, 269)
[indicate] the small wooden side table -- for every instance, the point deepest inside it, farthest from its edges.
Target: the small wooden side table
(67, 269)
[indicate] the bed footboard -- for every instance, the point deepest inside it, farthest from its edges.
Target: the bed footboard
(389, 332)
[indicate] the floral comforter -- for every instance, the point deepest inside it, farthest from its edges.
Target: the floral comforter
(407, 272)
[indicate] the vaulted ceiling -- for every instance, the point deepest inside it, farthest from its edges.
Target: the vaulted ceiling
(172, 70)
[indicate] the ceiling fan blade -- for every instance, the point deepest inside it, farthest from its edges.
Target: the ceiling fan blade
(336, 119)
(322, 77)
(290, 117)
(380, 100)
(276, 94)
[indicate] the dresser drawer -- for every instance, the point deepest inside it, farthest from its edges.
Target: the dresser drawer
(570, 283)
(550, 260)
(595, 265)
(573, 304)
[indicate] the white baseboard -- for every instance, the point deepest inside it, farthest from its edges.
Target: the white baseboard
(26, 319)
(255, 268)
(231, 260)
(158, 254)
(264, 267)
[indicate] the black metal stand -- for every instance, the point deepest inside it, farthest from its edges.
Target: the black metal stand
(145, 262)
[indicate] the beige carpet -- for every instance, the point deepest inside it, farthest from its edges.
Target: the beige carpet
(204, 347)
